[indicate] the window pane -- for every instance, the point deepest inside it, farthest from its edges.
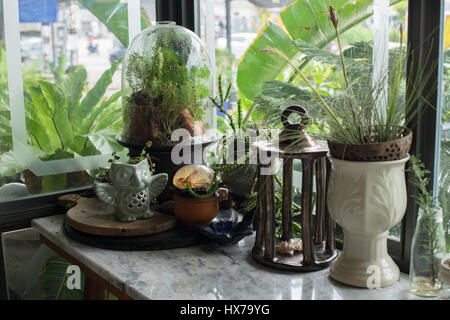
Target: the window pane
(71, 63)
(444, 170)
(230, 43)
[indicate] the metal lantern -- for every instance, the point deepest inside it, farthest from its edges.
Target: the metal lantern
(316, 249)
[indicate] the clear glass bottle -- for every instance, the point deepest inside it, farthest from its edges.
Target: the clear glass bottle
(427, 252)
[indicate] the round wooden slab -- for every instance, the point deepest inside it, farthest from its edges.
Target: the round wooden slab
(92, 216)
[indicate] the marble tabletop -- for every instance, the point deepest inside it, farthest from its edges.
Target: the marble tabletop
(207, 272)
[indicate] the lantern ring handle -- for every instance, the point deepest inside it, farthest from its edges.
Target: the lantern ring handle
(295, 108)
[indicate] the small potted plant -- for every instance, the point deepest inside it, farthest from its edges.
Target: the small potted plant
(51, 136)
(239, 177)
(103, 174)
(130, 187)
(196, 198)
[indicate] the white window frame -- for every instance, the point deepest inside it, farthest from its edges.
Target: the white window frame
(210, 41)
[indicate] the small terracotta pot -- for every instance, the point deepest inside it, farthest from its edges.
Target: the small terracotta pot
(196, 212)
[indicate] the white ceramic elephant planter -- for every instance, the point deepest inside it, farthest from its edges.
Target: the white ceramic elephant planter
(366, 199)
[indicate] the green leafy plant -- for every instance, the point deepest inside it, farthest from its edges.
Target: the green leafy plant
(249, 203)
(52, 283)
(303, 21)
(165, 84)
(355, 116)
(321, 68)
(53, 279)
(236, 123)
(103, 174)
(63, 123)
(221, 103)
(145, 155)
(428, 232)
(421, 181)
(58, 68)
(240, 165)
(208, 192)
(296, 211)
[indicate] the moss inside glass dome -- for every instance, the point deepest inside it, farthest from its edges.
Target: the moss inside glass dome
(166, 81)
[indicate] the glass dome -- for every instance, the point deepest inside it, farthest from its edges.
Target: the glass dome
(166, 82)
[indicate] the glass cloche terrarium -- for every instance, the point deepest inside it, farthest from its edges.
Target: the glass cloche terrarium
(166, 82)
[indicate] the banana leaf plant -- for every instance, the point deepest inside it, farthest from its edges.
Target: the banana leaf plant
(51, 284)
(114, 15)
(64, 123)
(323, 70)
(304, 22)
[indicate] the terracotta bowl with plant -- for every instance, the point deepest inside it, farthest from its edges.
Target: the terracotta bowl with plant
(196, 197)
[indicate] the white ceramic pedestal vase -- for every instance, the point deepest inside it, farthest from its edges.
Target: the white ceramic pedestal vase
(366, 199)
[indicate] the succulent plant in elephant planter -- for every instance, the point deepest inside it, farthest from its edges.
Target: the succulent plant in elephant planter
(131, 190)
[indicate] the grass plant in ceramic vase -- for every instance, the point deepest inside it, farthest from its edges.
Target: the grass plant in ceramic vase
(369, 136)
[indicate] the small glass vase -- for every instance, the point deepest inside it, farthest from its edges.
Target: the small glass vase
(427, 251)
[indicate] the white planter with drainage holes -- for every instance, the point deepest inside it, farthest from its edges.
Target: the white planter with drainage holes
(366, 199)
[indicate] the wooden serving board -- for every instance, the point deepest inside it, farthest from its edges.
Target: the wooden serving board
(92, 216)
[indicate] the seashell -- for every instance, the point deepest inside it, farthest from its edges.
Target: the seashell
(199, 176)
(289, 247)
